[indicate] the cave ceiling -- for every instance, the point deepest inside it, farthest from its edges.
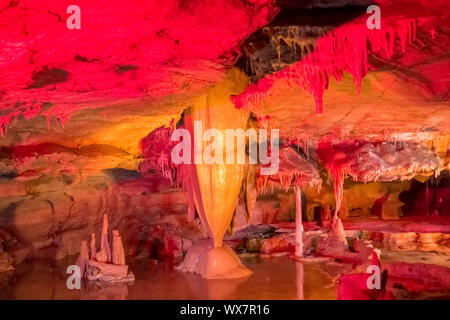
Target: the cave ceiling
(134, 67)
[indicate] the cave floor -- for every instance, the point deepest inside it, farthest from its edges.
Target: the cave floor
(273, 278)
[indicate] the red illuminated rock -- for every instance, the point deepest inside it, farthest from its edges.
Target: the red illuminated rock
(83, 258)
(134, 51)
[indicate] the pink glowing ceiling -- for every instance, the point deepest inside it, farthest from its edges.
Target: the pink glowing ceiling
(132, 50)
(132, 54)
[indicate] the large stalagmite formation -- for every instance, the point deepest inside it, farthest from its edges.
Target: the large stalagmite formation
(219, 184)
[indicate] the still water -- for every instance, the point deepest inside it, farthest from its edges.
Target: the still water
(273, 278)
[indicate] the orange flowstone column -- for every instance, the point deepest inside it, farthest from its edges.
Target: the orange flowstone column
(218, 183)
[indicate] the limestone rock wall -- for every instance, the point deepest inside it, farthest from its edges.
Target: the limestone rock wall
(52, 197)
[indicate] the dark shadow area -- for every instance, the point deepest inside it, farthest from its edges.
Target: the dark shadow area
(430, 198)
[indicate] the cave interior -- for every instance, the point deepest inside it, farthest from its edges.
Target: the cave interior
(354, 117)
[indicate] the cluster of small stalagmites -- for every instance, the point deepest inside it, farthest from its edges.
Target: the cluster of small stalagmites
(108, 264)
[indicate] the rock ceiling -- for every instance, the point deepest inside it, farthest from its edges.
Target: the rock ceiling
(135, 66)
(129, 68)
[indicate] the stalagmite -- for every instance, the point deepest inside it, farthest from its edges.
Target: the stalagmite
(338, 180)
(105, 251)
(93, 247)
(217, 185)
(118, 255)
(298, 223)
(338, 231)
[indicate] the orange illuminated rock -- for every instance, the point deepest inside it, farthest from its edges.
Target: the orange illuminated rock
(213, 262)
(6, 263)
(217, 186)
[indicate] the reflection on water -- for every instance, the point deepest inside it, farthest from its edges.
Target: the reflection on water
(273, 278)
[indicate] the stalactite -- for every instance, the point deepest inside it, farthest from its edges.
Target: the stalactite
(344, 49)
(338, 183)
(293, 170)
(365, 162)
(118, 253)
(156, 148)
